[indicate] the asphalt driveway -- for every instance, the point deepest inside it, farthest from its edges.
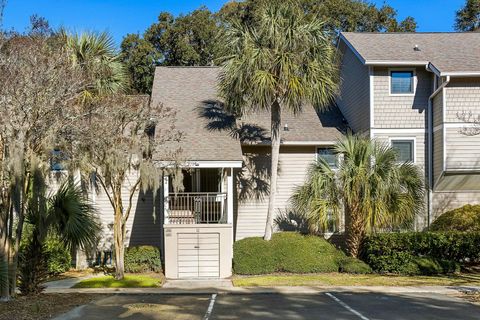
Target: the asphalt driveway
(340, 306)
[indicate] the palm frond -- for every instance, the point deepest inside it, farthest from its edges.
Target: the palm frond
(73, 217)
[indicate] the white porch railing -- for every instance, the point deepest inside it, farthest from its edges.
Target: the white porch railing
(197, 208)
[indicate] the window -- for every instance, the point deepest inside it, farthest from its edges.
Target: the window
(401, 82)
(57, 160)
(405, 149)
(328, 155)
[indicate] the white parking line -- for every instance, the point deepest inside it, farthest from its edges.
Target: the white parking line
(346, 306)
(210, 307)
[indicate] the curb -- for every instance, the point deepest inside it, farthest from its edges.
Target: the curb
(272, 290)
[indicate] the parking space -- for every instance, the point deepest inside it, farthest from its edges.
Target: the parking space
(339, 306)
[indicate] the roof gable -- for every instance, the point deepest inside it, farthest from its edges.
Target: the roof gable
(449, 53)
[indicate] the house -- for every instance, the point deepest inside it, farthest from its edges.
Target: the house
(409, 90)
(225, 167)
(416, 92)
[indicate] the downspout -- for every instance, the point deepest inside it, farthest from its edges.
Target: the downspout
(430, 146)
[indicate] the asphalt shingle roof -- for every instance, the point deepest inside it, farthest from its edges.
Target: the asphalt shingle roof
(448, 52)
(192, 94)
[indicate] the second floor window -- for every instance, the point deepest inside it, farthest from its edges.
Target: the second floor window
(329, 155)
(401, 82)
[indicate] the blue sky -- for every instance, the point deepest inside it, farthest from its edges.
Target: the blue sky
(120, 17)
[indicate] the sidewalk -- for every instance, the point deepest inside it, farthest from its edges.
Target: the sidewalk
(269, 290)
(59, 285)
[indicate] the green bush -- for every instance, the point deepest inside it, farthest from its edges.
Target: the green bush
(289, 252)
(430, 266)
(253, 256)
(142, 259)
(466, 218)
(399, 252)
(59, 259)
(352, 265)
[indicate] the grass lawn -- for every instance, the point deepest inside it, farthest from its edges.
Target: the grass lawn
(129, 281)
(345, 279)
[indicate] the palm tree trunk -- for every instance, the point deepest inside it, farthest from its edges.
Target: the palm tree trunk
(276, 119)
(119, 240)
(354, 231)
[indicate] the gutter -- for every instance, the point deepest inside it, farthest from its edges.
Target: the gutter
(430, 146)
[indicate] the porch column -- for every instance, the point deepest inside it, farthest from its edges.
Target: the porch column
(165, 198)
(230, 197)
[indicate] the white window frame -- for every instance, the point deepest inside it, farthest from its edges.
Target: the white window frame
(415, 81)
(413, 139)
(327, 147)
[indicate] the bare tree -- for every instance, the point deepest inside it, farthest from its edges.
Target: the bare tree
(473, 121)
(115, 141)
(3, 3)
(38, 86)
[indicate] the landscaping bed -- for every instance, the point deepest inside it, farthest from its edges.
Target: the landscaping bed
(345, 279)
(43, 306)
(150, 280)
(294, 253)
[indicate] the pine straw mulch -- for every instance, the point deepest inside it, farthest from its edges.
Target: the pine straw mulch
(43, 306)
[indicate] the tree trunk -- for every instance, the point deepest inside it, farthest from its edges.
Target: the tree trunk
(16, 248)
(119, 240)
(354, 231)
(276, 120)
(4, 268)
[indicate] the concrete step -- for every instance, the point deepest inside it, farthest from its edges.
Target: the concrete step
(198, 284)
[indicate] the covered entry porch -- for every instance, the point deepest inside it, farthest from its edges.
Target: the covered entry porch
(198, 225)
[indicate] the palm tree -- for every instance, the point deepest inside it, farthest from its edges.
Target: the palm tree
(374, 189)
(66, 214)
(96, 55)
(281, 62)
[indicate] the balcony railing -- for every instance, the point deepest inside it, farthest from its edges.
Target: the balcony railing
(197, 207)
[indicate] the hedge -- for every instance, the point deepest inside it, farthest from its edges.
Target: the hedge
(290, 252)
(142, 259)
(59, 259)
(466, 218)
(400, 252)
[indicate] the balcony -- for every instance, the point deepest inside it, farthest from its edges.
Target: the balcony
(197, 208)
(206, 197)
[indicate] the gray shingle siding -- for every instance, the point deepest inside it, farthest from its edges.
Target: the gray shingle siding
(395, 111)
(354, 100)
(437, 154)
(462, 95)
(437, 109)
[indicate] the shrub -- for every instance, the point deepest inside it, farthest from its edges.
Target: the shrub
(303, 254)
(352, 265)
(142, 259)
(290, 252)
(399, 252)
(59, 259)
(430, 266)
(253, 256)
(466, 218)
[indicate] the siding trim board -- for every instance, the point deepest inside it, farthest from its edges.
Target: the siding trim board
(397, 130)
(371, 75)
(444, 117)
